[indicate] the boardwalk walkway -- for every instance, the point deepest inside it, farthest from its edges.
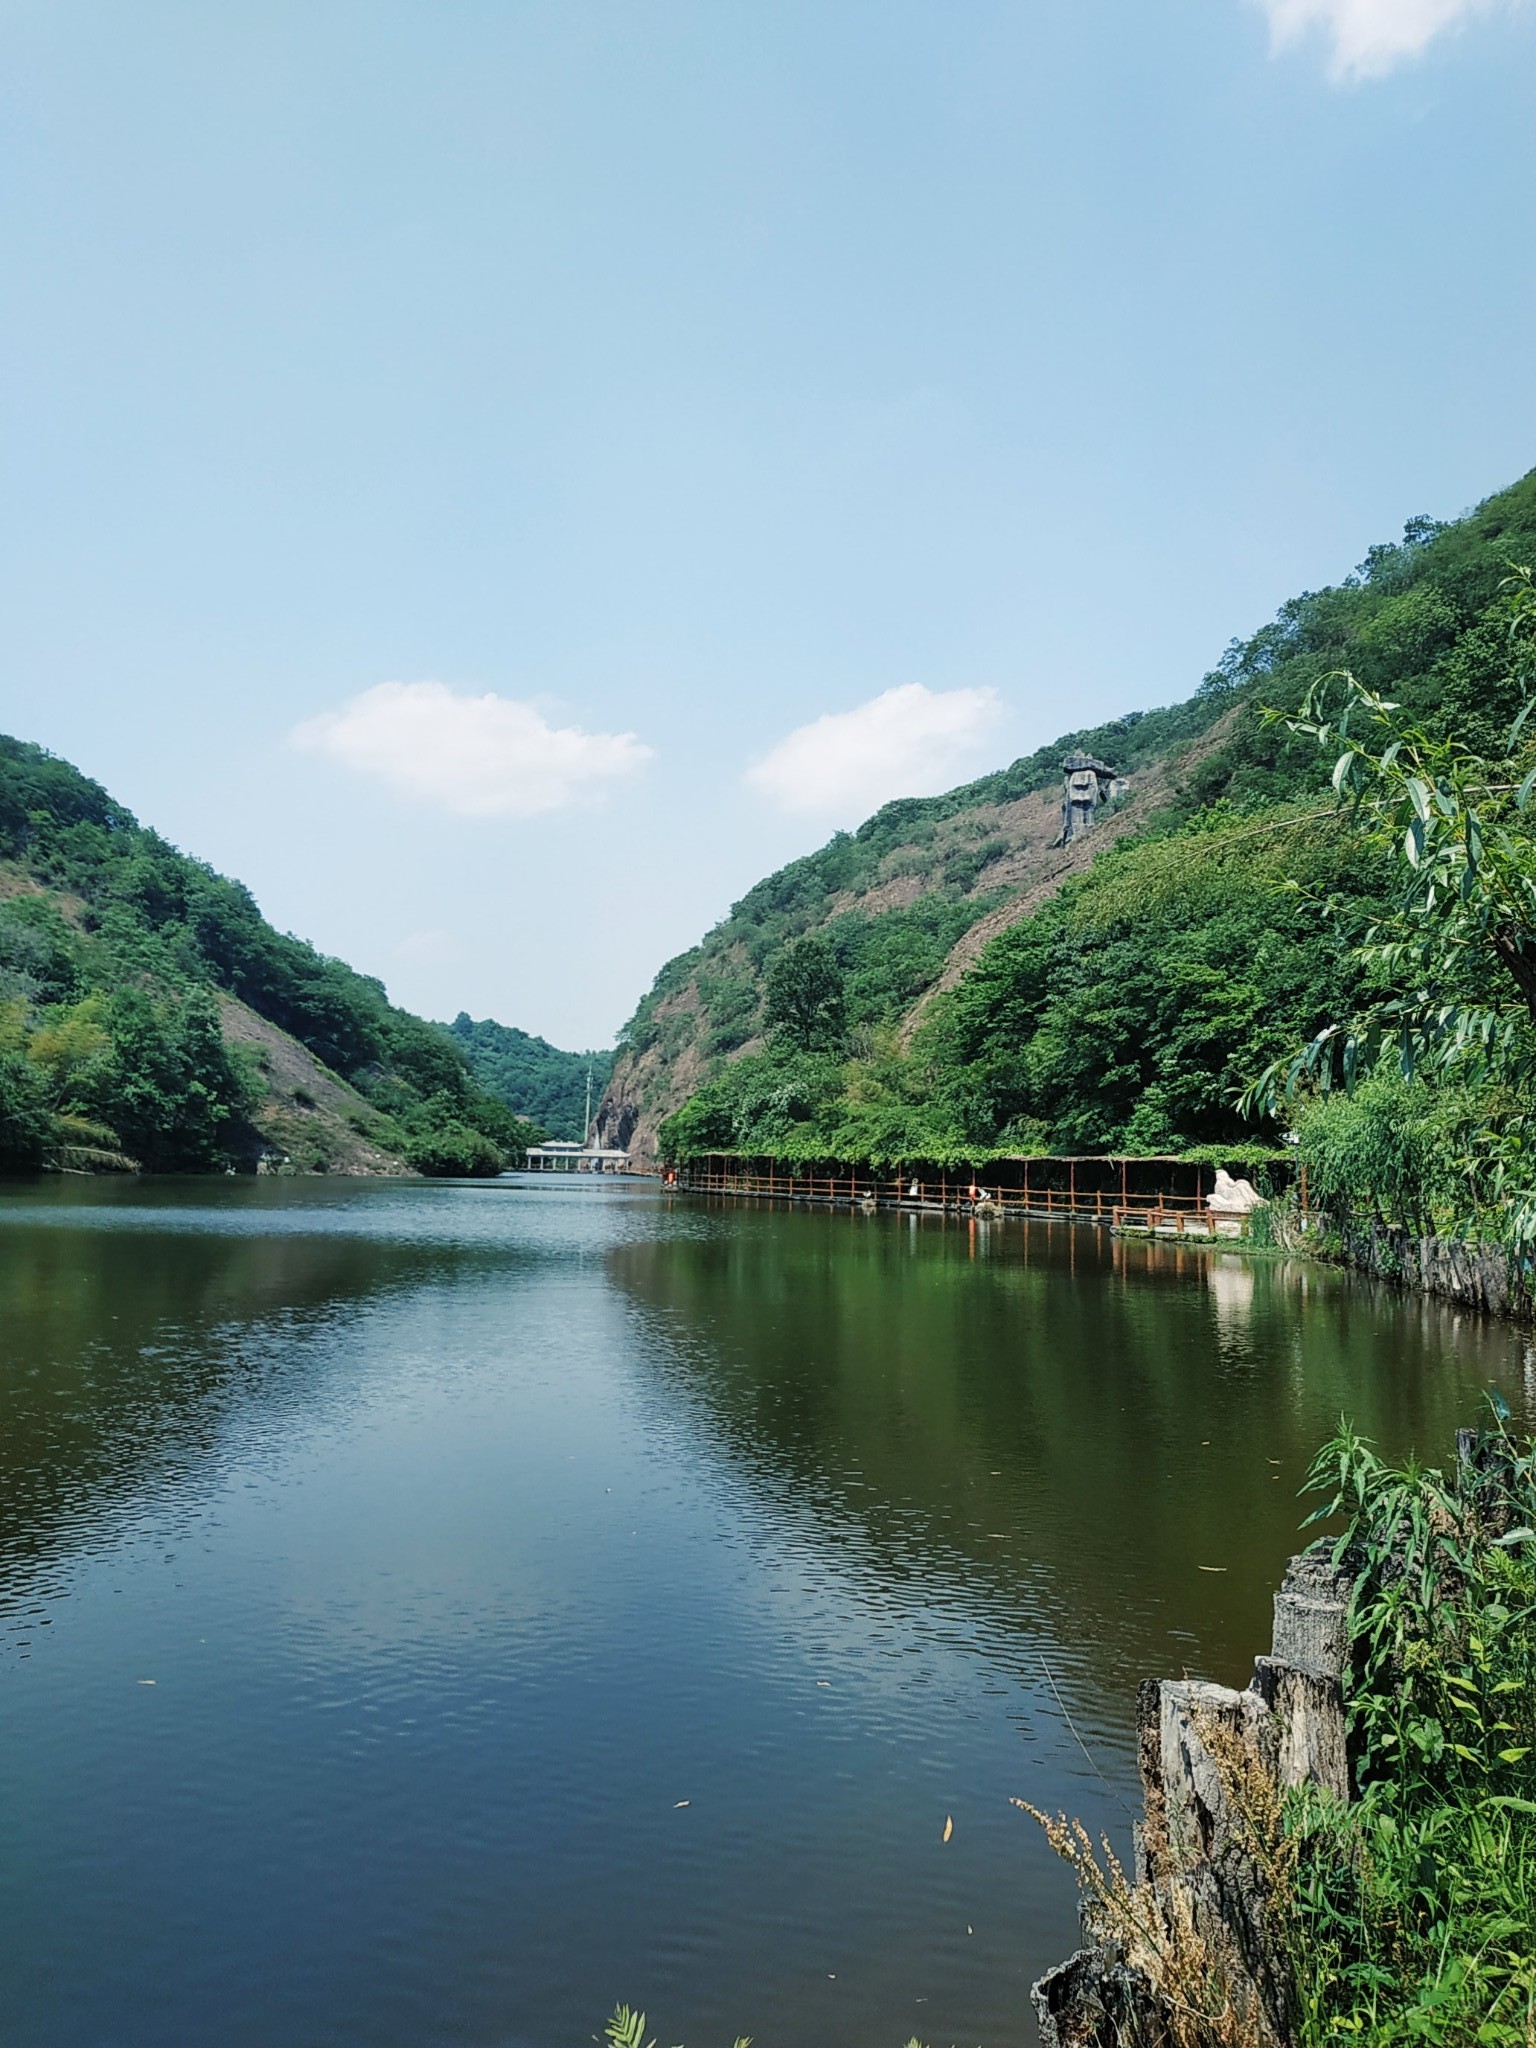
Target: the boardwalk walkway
(1155, 1213)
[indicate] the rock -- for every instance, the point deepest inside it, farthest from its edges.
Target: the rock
(1233, 1197)
(1093, 1997)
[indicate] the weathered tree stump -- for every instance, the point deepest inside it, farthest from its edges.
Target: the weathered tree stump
(1214, 1765)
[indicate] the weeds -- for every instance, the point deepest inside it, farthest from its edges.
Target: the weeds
(626, 2029)
(1414, 1909)
(1407, 1917)
(1198, 1986)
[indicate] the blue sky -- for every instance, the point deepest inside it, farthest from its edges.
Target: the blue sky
(501, 478)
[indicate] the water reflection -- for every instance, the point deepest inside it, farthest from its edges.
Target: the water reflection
(1066, 1428)
(128, 1334)
(552, 1595)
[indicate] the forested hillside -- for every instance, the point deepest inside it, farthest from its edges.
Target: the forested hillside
(903, 902)
(532, 1077)
(991, 992)
(150, 1015)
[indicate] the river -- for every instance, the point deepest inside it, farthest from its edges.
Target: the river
(430, 1613)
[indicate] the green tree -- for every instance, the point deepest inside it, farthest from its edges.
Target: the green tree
(1129, 1010)
(26, 1126)
(536, 1080)
(804, 1001)
(1394, 1148)
(454, 1151)
(168, 1088)
(1452, 960)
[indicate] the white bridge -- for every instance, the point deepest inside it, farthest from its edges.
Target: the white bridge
(565, 1155)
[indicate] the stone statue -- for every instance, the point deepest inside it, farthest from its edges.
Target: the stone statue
(1087, 783)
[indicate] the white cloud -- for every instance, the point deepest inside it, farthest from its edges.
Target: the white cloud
(481, 757)
(907, 742)
(1369, 36)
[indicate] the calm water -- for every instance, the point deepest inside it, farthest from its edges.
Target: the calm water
(431, 1614)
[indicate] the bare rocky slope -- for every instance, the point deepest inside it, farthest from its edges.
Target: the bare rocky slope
(307, 1119)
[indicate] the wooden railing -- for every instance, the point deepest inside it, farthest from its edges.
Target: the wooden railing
(1161, 1214)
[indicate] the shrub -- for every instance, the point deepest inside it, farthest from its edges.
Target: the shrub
(1414, 1915)
(453, 1151)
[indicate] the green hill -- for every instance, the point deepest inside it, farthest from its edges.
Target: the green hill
(996, 990)
(150, 1015)
(532, 1077)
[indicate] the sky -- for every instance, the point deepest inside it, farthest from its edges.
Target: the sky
(501, 478)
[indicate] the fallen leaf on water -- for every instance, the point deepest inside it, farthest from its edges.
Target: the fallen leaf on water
(949, 1825)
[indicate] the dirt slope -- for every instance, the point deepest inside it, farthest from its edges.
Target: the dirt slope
(308, 1120)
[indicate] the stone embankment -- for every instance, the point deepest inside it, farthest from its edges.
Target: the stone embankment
(1215, 1764)
(1484, 1277)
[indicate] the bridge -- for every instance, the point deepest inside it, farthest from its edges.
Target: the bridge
(566, 1155)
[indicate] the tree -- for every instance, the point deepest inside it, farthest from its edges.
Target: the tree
(1453, 959)
(805, 1002)
(168, 1088)
(25, 1123)
(454, 1151)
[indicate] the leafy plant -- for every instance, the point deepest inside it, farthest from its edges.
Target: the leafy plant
(626, 2029)
(1414, 1908)
(1450, 964)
